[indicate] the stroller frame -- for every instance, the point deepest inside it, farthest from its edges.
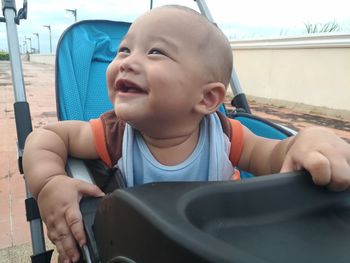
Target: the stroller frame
(23, 123)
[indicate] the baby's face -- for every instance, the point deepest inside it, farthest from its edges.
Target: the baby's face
(157, 72)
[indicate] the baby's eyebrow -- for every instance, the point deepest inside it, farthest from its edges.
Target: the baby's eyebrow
(167, 41)
(123, 38)
(126, 37)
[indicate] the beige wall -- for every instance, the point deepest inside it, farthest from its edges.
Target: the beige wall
(296, 70)
(42, 58)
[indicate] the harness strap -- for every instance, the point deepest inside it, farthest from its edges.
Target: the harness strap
(100, 141)
(236, 141)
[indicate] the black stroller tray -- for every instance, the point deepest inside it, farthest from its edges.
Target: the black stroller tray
(277, 218)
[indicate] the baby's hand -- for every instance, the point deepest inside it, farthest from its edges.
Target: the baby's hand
(324, 155)
(59, 208)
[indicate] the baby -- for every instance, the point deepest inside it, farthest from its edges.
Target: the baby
(166, 83)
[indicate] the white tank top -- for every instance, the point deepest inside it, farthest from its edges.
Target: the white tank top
(208, 162)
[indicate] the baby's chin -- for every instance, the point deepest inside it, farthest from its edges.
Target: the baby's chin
(118, 110)
(127, 114)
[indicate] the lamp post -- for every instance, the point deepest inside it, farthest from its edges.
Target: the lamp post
(74, 12)
(30, 44)
(37, 35)
(49, 28)
(151, 4)
(25, 50)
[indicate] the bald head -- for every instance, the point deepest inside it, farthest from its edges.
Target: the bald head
(213, 49)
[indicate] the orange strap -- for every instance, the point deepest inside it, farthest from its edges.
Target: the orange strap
(100, 141)
(236, 141)
(236, 146)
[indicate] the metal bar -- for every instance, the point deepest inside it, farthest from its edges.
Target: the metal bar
(37, 232)
(9, 10)
(77, 169)
(8, 4)
(234, 82)
(205, 10)
(16, 65)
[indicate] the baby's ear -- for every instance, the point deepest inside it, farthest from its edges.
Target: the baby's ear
(212, 97)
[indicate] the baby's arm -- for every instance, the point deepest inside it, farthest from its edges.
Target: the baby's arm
(58, 195)
(318, 150)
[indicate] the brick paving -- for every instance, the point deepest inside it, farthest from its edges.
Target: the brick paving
(39, 82)
(14, 229)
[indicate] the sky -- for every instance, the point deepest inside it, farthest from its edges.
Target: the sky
(239, 19)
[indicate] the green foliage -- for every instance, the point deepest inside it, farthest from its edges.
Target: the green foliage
(4, 56)
(322, 28)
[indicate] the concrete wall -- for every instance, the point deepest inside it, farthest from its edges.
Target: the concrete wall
(305, 72)
(42, 58)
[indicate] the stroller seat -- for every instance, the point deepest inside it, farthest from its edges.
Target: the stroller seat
(84, 51)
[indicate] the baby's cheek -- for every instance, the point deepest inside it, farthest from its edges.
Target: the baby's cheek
(112, 71)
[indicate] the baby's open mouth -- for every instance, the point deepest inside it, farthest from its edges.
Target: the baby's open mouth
(127, 86)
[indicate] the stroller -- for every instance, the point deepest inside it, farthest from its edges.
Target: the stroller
(268, 219)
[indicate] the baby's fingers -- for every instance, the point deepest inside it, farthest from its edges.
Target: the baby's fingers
(340, 179)
(89, 189)
(289, 165)
(328, 167)
(64, 242)
(75, 223)
(62, 257)
(319, 166)
(315, 162)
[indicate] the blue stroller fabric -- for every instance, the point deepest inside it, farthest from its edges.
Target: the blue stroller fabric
(83, 54)
(263, 128)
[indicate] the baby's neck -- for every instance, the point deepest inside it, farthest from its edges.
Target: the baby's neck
(175, 150)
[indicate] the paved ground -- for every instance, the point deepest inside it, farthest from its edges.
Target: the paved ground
(298, 120)
(14, 230)
(39, 82)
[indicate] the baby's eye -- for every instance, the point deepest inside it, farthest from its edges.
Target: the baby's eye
(124, 50)
(156, 51)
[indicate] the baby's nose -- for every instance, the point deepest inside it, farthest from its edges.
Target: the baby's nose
(130, 63)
